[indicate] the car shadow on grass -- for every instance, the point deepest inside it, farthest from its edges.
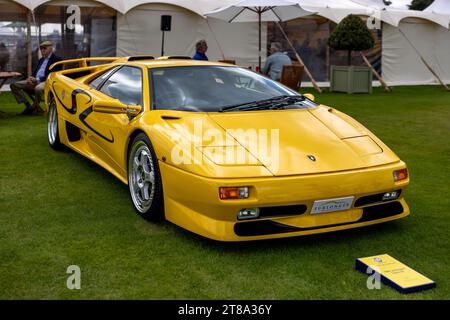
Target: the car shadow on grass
(329, 239)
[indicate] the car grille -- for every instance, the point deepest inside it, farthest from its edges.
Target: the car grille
(266, 227)
(282, 211)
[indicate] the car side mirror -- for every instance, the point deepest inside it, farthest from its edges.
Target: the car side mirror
(309, 96)
(115, 107)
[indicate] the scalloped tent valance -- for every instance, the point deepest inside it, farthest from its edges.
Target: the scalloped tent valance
(122, 6)
(393, 15)
(335, 10)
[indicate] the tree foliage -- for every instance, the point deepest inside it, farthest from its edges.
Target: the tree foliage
(420, 4)
(351, 34)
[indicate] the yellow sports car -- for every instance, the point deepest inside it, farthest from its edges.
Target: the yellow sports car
(222, 151)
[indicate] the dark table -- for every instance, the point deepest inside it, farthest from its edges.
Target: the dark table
(3, 77)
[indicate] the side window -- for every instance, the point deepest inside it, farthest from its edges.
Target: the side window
(125, 85)
(99, 80)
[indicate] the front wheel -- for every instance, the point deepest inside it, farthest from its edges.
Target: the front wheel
(144, 179)
(53, 127)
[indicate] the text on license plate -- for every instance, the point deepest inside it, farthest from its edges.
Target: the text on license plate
(330, 205)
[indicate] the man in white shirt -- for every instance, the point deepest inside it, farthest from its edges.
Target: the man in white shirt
(34, 85)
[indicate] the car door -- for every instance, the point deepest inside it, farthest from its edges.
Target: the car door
(108, 132)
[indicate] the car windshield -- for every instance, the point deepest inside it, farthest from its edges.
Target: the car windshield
(217, 89)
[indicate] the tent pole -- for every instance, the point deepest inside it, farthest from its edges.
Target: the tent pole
(215, 38)
(29, 45)
(424, 61)
(259, 42)
(300, 60)
(162, 44)
(386, 87)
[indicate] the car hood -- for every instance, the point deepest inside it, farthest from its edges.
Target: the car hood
(305, 141)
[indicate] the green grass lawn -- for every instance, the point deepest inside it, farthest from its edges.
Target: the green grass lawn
(59, 209)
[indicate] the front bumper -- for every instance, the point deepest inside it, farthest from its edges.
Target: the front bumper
(193, 202)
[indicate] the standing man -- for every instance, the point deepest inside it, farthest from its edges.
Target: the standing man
(275, 61)
(200, 47)
(34, 86)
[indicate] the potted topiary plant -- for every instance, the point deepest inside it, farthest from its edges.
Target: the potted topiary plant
(351, 34)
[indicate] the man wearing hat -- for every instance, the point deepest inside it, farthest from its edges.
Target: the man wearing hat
(34, 85)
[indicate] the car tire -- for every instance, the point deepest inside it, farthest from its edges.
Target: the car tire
(144, 179)
(53, 126)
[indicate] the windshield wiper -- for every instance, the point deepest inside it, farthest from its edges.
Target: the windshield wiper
(271, 103)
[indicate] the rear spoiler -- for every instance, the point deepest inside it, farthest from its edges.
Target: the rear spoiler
(83, 62)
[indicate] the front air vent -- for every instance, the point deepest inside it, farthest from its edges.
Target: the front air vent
(282, 211)
(381, 211)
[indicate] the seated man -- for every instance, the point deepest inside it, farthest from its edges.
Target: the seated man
(34, 85)
(275, 61)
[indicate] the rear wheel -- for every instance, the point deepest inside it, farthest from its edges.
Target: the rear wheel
(53, 126)
(144, 179)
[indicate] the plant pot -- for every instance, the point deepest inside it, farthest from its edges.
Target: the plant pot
(351, 79)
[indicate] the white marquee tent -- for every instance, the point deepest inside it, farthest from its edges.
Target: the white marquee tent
(439, 7)
(427, 31)
(397, 4)
(233, 41)
(123, 6)
(138, 25)
(409, 35)
(336, 10)
(393, 15)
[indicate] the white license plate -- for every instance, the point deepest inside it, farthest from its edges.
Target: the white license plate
(331, 205)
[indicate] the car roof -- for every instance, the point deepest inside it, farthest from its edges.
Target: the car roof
(153, 63)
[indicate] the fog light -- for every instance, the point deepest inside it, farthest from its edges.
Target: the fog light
(252, 213)
(233, 193)
(401, 174)
(391, 195)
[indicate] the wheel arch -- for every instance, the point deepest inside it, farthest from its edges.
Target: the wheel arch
(48, 97)
(159, 193)
(133, 135)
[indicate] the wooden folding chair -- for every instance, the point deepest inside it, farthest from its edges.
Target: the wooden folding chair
(292, 75)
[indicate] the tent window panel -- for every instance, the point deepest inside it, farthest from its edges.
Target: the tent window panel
(13, 46)
(309, 36)
(93, 34)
